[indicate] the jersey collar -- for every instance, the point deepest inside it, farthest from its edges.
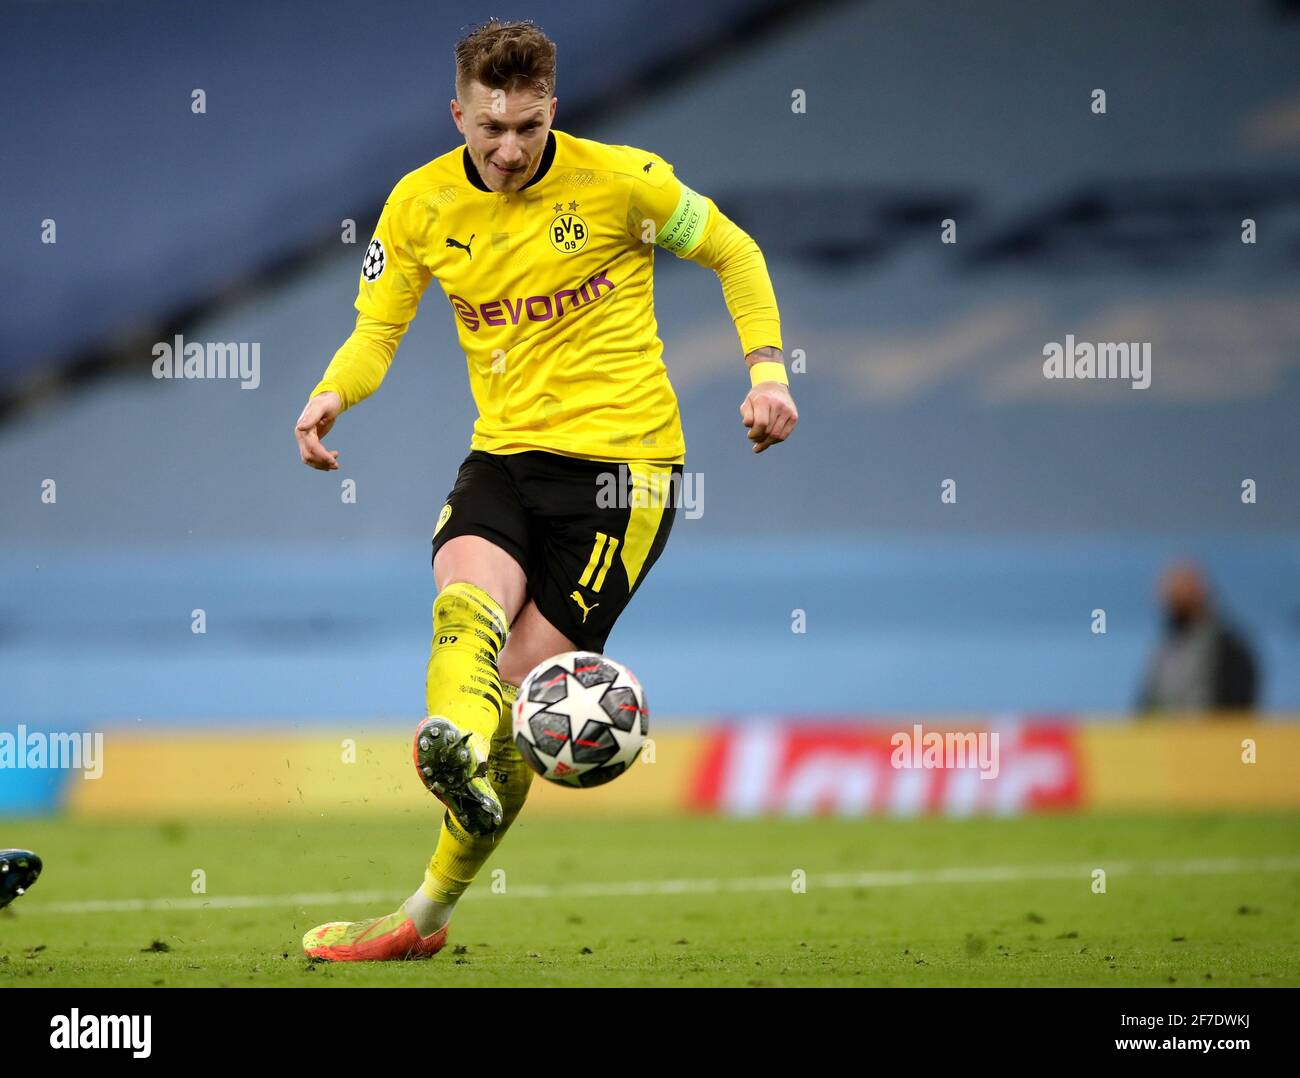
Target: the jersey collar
(543, 166)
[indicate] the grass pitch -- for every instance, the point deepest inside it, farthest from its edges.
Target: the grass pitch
(1204, 900)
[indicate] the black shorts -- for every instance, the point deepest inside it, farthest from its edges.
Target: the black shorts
(586, 532)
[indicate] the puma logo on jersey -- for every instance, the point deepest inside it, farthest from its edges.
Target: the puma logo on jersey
(463, 246)
(577, 598)
(646, 166)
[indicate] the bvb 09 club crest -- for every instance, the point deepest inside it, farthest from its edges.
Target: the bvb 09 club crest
(568, 233)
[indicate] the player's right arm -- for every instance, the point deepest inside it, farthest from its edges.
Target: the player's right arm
(353, 374)
(393, 279)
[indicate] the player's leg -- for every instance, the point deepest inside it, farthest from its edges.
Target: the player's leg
(480, 589)
(480, 546)
(418, 929)
(459, 856)
(480, 556)
(587, 552)
(589, 562)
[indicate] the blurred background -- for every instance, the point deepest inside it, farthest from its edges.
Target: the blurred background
(130, 503)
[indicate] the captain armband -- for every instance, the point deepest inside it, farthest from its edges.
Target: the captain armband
(684, 230)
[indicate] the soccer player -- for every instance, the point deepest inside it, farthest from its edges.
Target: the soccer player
(544, 246)
(19, 869)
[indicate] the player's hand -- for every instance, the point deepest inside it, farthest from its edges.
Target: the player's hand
(769, 412)
(314, 423)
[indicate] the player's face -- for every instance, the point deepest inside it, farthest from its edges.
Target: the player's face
(505, 132)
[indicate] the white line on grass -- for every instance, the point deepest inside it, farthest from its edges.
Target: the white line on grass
(830, 880)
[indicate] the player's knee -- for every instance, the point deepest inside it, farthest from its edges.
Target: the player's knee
(469, 559)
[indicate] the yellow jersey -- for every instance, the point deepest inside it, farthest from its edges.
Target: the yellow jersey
(551, 289)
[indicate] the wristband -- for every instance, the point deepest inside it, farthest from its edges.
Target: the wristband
(768, 371)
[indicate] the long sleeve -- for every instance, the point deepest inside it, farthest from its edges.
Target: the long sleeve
(733, 255)
(690, 225)
(361, 363)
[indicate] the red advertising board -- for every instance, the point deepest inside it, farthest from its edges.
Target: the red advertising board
(897, 768)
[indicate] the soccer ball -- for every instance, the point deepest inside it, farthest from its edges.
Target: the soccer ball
(580, 719)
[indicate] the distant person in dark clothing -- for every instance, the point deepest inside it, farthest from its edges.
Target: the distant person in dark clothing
(1200, 664)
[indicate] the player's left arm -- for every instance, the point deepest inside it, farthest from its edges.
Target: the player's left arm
(768, 409)
(690, 225)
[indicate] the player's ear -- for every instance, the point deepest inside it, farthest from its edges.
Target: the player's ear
(456, 116)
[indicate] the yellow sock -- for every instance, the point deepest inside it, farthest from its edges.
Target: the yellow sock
(459, 855)
(462, 683)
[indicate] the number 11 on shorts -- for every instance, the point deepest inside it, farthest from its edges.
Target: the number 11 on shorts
(610, 544)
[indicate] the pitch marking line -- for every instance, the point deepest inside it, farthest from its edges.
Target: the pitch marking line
(831, 880)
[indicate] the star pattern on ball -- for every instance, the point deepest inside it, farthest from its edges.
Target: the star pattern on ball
(582, 701)
(580, 719)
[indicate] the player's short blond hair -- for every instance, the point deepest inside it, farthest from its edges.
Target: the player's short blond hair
(506, 56)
